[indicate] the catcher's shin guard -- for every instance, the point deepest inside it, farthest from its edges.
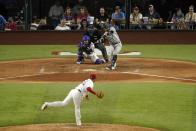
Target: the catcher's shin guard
(80, 59)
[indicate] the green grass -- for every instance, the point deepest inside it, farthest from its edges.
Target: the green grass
(177, 52)
(166, 106)
(20, 52)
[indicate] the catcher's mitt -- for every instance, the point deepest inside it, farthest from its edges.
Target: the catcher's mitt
(100, 94)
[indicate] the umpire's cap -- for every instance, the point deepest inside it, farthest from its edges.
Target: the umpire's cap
(93, 76)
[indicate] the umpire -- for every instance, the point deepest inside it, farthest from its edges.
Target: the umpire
(96, 37)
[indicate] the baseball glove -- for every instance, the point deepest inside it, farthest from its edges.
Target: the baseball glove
(100, 94)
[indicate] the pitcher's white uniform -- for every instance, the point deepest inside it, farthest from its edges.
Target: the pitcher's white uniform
(76, 95)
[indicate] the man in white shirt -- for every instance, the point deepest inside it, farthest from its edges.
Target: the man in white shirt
(62, 26)
(76, 95)
(191, 15)
(190, 18)
(136, 18)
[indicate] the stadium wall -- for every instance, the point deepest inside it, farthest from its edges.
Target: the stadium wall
(73, 37)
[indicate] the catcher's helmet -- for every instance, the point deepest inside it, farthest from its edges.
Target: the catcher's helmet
(85, 38)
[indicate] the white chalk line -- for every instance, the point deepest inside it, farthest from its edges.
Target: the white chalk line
(133, 73)
(23, 76)
(160, 76)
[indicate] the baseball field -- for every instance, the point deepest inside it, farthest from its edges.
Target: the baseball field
(153, 91)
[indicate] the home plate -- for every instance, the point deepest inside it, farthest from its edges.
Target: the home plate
(89, 70)
(133, 53)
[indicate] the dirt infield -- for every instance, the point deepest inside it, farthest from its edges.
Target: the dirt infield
(129, 69)
(72, 127)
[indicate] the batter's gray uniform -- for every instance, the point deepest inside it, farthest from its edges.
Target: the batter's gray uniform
(115, 45)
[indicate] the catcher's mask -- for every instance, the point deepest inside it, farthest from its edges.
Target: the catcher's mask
(85, 39)
(93, 76)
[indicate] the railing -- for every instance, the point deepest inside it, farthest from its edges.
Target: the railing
(166, 25)
(149, 26)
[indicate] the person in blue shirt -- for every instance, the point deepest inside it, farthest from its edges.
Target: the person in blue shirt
(118, 16)
(2, 22)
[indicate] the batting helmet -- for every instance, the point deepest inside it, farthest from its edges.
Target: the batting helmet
(93, 76)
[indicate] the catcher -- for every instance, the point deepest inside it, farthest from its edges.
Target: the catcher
(76, 95)
(96, 38)
(86, 50)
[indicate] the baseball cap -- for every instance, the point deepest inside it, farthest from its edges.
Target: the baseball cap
(93, 76)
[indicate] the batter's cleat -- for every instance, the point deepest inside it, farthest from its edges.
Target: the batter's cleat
(113, 68)
(78, 62)
(110, 67)
(44, 106)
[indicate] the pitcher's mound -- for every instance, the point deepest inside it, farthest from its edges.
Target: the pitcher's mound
(72, 127)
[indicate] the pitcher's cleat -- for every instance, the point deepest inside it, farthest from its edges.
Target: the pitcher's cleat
(110, 67)
(44, 106)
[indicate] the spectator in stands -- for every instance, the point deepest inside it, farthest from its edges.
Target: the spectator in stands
(68, 17)
(62, 26)
(44, 26)
(35, 23)
(55, 13)
(2, 23)
(178, 15)
(118, 16)
(83, 25)
(102, 17)
(11, 25)
(153, 17)
(77, 7)
(190, 17)
(19, 18)
(178, 19)
(136, 18)
(82, 15)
